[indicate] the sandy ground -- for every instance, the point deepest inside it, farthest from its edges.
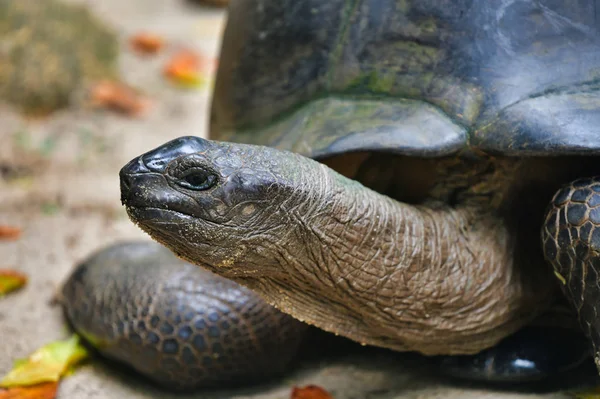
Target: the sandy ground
(59, 184)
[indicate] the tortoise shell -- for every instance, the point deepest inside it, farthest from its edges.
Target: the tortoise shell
(424, 78)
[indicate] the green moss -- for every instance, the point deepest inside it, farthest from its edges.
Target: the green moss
(381, 82)
(51, 49)
(428, 26)
(50, 208)
(315, 126)
(336, 54)
(472, 104)
(403, 6)
(594, 74)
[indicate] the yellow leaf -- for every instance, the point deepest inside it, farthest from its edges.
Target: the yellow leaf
(47, 364)
(588, 394)
(189, 79)
(187, 69)
(11, 280)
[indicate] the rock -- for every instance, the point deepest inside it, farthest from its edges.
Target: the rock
(49, 49)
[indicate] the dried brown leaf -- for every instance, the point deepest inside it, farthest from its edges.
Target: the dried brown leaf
(9, 233)
(147, 43)
(40, 391)
(310, 392)
(119, 97)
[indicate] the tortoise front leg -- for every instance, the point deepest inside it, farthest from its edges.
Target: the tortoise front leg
(571, 242)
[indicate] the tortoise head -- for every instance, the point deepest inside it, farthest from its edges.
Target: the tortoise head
(215, 203)
(328, 250)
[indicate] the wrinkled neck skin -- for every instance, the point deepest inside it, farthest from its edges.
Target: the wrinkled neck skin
(348, 260)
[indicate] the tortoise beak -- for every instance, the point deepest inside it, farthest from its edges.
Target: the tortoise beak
(145, 194)
(142, 177)
(142, 190)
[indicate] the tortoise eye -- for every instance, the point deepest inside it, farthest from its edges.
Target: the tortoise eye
(197, 179)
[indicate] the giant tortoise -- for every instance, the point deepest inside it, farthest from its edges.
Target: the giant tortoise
(382, 170)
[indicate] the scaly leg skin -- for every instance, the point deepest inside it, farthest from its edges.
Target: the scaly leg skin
(176, 323)
(571, 242)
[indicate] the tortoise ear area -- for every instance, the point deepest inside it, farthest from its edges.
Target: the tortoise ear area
(158, 159)
(246, 185)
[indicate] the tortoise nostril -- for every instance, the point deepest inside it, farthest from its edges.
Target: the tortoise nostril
(155, 164)
(134, 166)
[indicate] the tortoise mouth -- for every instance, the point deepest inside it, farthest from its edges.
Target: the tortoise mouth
(164, 224)
(157, 216)
(145, 194)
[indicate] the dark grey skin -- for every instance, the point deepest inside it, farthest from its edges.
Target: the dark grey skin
(335, 254)
(331, 252)
(175, 323)
(442, 130)
(426, 79)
